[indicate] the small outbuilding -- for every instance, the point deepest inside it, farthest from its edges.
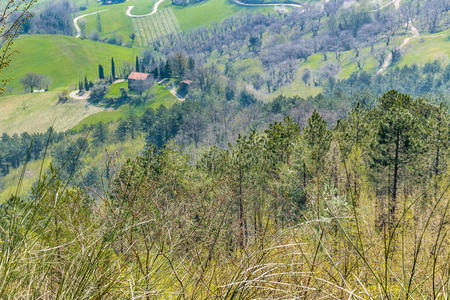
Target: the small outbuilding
(183, 87)
(184, 84)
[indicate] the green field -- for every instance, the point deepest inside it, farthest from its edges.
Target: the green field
(114, 89)
(210, 12)
(427, 48)
(114, 20)
(169, 18)
(151, 28)
(65, 60)
(38, 111)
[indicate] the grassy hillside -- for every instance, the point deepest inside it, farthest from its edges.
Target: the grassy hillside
(63, 59)
(36, 112)
(428, 48)
(115, 22)
(210, 12)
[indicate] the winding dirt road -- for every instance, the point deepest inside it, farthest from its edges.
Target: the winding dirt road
(267, 4)
(154, 11)
(395, 2)
(75, 21)
(415, 33)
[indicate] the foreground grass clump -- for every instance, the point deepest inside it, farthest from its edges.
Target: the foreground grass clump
(281, 214)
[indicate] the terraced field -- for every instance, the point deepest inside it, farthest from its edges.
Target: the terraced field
(153, 27)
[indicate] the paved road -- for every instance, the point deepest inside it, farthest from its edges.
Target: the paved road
(154, 11)
(267, 4)
(75, 21)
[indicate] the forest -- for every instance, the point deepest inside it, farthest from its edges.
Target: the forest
(359, 210)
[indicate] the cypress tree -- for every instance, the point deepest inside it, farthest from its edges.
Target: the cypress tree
(167, 70)
(86, 84)
(113, 69)
(99, 23)
(137, 64)
(101, 74)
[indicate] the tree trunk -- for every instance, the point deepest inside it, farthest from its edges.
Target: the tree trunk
(395, 179)
(304, 174)
(436, 165)
(242, 225)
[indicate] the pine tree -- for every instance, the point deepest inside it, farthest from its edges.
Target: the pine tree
(147, 119)
(318, 139)
(122, 131)
(113, 69)
(397, 140)
(101, 74)
(439, 137)
(100, 133)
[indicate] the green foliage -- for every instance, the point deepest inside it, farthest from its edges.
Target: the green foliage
(164, 223)
(317, 138)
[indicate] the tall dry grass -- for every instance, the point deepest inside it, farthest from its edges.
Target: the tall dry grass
(140, 239)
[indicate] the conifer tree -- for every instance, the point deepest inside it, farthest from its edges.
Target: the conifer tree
(137, 64)
(100, 133)
(439, 137)
(101, 74)
(113, 69)
(167, 70)
(86, 84)
(317, 138)
(122, 131)
(99, 23)
(397, 140)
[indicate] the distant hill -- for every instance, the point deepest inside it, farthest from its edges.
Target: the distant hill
(63, 59)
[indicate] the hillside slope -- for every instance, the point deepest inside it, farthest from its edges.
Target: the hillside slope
(38, 111)
(63, 59)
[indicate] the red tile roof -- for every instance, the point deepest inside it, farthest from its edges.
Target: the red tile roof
(138, 76)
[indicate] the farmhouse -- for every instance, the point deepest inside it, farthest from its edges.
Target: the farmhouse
(137, 76)
(139, 82)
